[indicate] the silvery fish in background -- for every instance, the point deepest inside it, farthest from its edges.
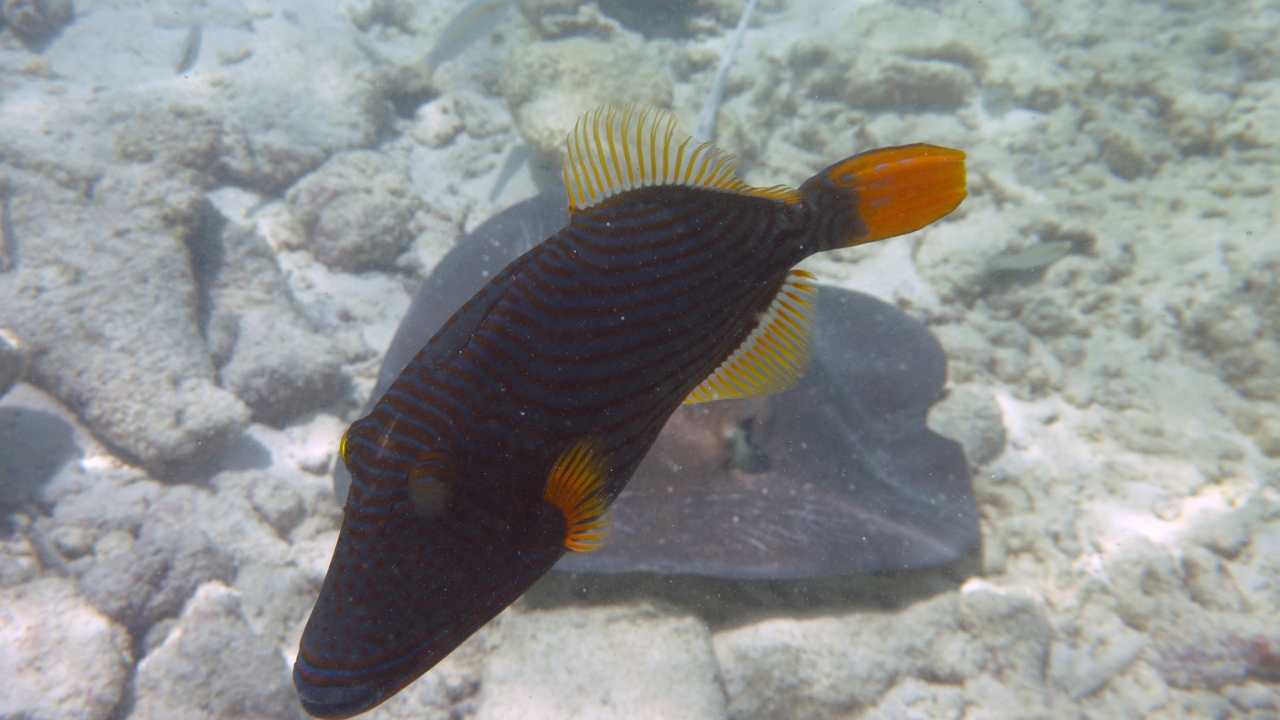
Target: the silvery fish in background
(706, 127)
(1033, 258)
(516, 159)
(475, 21)
(503, 443)
(190, 50)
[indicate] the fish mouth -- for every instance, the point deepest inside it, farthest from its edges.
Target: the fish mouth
(331, 702)
(335, 685)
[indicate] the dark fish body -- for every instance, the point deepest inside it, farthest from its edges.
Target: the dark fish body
(503, 441)
(853, 482)
(460, 275)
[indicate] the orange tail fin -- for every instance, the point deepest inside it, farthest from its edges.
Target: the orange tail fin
(894, 190)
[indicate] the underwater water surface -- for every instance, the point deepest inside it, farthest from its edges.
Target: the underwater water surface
(1032, 469)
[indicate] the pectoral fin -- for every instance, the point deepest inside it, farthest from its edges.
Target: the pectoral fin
(576, 487)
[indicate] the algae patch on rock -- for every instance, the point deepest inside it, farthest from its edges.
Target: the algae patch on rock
(549, 85)
(103, 292)
(60, 658)
(212, 666)
(356, 209)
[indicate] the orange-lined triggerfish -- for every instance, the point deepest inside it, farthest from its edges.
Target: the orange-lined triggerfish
(502, 444)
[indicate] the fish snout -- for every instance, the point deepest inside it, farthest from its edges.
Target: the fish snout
(327, 701)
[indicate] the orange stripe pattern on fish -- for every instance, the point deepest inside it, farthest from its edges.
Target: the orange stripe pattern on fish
(503, 442)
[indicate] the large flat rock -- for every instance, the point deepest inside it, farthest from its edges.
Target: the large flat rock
(600, 663)
(102, 292)
(59, 658)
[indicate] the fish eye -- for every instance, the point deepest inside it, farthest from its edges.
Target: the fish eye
(431, 482)
(360, 436)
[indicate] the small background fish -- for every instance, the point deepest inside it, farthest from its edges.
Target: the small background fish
(1037, 256)
(190, 52)
(473, 22)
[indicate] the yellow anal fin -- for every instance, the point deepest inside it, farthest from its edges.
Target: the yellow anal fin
(577, 487)
(775, 355)
(615, 148)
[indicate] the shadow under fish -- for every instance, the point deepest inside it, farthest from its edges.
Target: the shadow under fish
(839, 475)
(505, 441)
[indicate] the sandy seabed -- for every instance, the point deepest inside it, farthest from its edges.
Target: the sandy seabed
(201, 269)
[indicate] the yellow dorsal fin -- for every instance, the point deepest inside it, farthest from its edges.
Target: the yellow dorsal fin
(616, 148)
(576, 486)
(774, 356)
